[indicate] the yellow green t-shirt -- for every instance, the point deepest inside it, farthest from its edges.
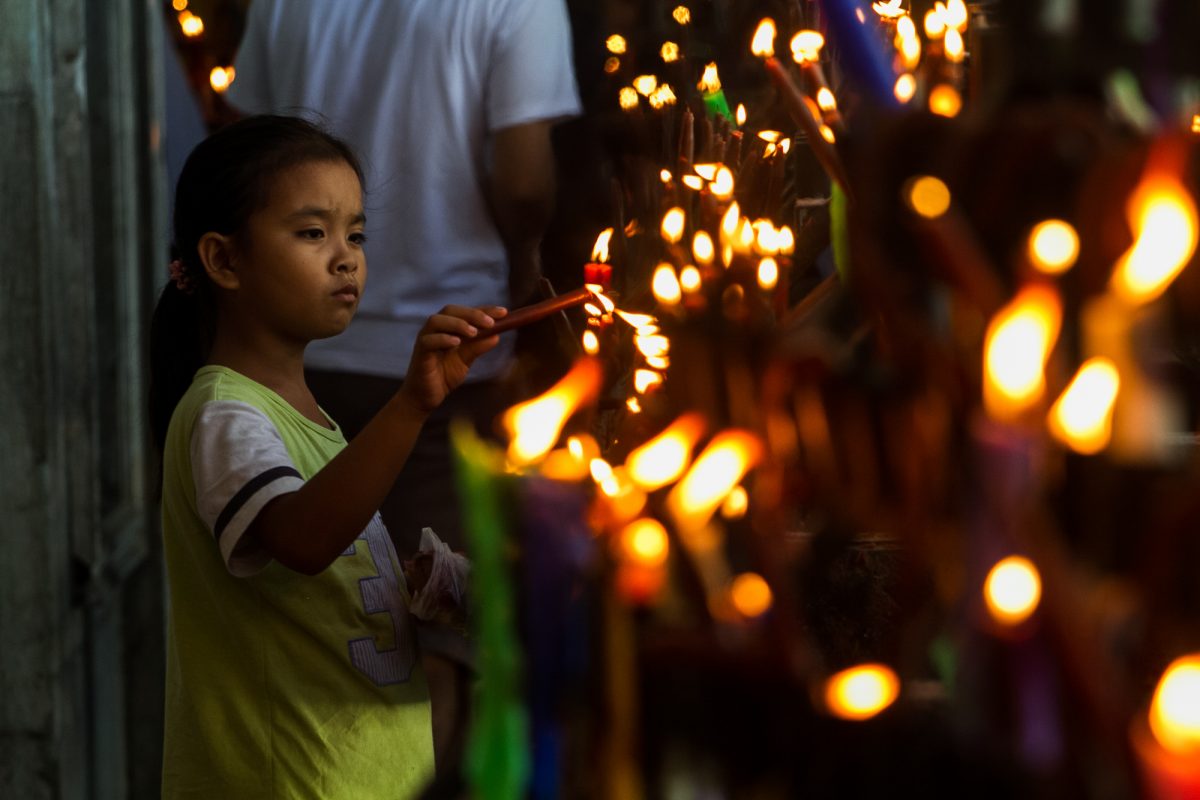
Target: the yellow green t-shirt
(279, 685)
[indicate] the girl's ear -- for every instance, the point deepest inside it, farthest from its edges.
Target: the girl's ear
(216, 254)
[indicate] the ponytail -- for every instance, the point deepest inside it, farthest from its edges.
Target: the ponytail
(181, 333)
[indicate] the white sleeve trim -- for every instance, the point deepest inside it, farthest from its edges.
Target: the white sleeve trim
(239, 464)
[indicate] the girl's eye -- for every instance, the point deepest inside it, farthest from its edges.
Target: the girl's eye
(358, 238)
(312, 233)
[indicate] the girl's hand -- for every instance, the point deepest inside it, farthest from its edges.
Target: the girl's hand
(444, 352)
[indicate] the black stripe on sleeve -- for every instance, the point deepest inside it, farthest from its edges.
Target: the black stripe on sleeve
(247, 491)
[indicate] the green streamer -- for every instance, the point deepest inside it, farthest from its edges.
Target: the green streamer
(497, 757)
(839, 230)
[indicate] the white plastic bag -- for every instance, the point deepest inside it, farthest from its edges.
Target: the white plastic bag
(443, 596)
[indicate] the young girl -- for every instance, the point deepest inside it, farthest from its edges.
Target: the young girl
(291, 669)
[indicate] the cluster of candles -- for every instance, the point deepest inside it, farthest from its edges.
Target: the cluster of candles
(713, 256)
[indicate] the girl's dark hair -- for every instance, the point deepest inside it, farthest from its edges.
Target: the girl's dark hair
(226, 178)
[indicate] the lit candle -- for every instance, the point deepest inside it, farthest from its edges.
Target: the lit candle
(711, 93)
(799, 107)
(1167, 738)
(598, 271)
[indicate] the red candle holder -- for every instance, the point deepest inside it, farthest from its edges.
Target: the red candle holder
(598, 273)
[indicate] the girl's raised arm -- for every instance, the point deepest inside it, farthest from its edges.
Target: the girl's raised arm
(334, 506)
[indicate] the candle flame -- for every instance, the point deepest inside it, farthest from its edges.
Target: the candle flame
(702, 247)
(623, 499)
(664, 95)
(615, 44)
(827, 134)
(786, 241)
(906, 87)
(1195, 123)
(682, 15)
(220, 78)
(612, 64)
(750, 595)
(935, 22)
(591, 343)
(770, 136)
(645, 84)
(928, 196)
(672, 225)
(743, 238)
(740, 115)
(955, 15)
(600, 249)
(1175, 708)
(644, 542)
(662, 459)
(763, 43)
(954, 47)
(640, 322)
(1053, 246)
(601, 470)
(768, 273)
(179, 5)
(1082, 417)
(861, 692)
(766, 238)
(890, 9)
(729, 222)
(908, 43)
(1163, 216)
(945, 101)
(669, 52)
(693, 182)
(713, 475)
(628, 98)
(652, 345)
(1012, 590)
(600, 297)
(191, 25)
(646, 379)
(633, 405)
(534, 426)
(825, 99)
(806, 46)
(1019, 341)
(736, 504)
(664, 175)
(665, 285)
(710, 82)
(706, 171)
(722, 185)
(562, 465)
(689, 279)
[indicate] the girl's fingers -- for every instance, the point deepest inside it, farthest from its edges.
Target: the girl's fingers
(438, 341)
(495, 312)
(476, 347)
(478, 317)
(447, 323)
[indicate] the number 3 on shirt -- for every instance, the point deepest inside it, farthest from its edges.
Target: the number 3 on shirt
(381, 595)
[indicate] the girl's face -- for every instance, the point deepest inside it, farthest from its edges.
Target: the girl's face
(301, 268)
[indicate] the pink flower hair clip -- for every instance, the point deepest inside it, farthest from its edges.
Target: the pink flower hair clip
(179, 276)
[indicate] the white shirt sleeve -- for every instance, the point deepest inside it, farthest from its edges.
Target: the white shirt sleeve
(239, 464)
(532, 76)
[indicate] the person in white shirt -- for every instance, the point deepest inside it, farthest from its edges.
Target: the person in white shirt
(449, 104)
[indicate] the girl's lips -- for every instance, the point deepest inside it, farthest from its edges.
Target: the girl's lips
(349, 293)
